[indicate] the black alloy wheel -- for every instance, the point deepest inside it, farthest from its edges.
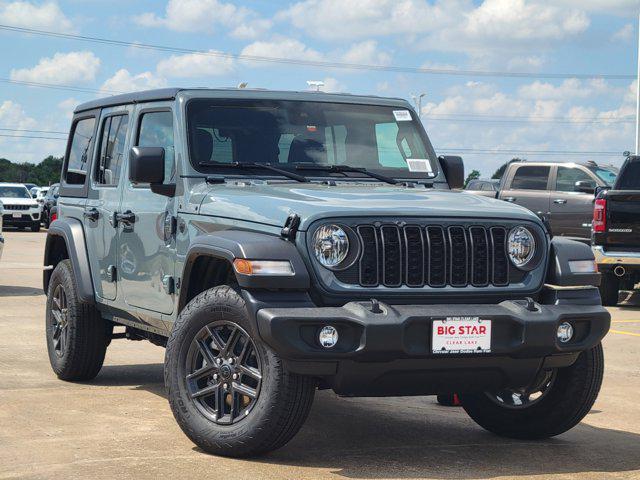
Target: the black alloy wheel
(60, 320)
(224, 372)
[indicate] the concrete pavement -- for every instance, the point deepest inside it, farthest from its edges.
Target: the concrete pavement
(120, 424)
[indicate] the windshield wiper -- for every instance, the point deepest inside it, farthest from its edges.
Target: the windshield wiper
(346, 168)
(263, 166)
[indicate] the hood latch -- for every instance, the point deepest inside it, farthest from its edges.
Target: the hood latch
(290, 228)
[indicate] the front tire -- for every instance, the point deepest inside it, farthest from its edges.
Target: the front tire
(609, 289)
(35, 226)
(229, 392)
(77, 335)
(566, 396)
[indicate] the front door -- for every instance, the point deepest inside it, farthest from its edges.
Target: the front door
(571, 211)
(104, 199)
(147, 244)
(528, 187)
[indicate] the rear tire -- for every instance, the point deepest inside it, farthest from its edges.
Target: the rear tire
(568, 398)
(609, 289)
(77, 336)
(266, 421)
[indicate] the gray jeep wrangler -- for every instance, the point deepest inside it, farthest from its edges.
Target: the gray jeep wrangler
(280, 242)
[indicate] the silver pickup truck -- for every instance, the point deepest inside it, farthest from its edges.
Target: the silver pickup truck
(563, 192)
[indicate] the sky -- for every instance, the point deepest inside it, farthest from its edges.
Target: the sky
(560, 85)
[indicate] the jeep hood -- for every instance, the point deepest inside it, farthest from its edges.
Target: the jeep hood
(272, 203)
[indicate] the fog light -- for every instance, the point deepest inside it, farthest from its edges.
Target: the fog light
(565, 332)
(328, 336)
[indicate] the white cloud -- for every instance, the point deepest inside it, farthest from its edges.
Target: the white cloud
(13, 115)
(207, 16)
(366, 52)
(332, 85)
(194, 65)
(67, 107)
(625, 34)
(123, 81)
(61, 69)
(569, 88)
(280, 47)
(529, 63)
(47, 16)
(617, 7)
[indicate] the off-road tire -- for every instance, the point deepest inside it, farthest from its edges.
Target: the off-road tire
(569, 399)
(35, 226)
(284, 400)
(88, 333)
(609, 289)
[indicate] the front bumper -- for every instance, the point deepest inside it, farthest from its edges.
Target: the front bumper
(26, 218)
(390, 353)
(608, 260)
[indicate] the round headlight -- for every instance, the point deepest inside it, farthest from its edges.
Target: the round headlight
(330, 245)
(521, 246)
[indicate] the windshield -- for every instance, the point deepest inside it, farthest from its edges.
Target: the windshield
(14, 192)
(288, 134)
(606, 174)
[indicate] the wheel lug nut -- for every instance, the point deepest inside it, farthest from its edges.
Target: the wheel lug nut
(235, 376)
(218, 361)
(225, 386)
(215, 376)
(230, 360)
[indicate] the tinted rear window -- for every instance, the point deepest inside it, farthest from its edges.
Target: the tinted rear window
(531, 178)
(629, 178)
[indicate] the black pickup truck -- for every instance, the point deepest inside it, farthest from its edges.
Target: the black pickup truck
(616, 232)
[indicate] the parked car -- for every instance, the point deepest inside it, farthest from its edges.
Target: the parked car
(562, 192)
(50, 200)
(309, 241)
(1, 237)
(616, 232)
(40, 194)
(20, 210)
(483, 187)
(30, 186)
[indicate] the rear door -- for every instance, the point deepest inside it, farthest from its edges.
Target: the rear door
(104, 199)
(571, 211)
(528, 186)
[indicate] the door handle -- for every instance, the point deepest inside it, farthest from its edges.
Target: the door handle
(127, 218)
(509, 199)
(91, 214)
(560, 201)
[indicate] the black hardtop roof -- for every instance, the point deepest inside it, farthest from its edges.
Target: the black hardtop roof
(170, 94)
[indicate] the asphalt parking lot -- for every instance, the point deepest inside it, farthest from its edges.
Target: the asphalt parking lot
(120, 425)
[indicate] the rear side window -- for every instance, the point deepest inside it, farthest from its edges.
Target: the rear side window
(531, 178)
(156, 130)
(112, 145)
(80, 152)
(629, 178)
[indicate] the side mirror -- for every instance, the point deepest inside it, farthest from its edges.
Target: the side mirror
(453, 168)
(585, 186)
(146, 165)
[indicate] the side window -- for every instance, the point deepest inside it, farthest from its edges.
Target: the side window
(567, 178)
(531, 178)
(156, 130)
(112, 144)
(80, 151)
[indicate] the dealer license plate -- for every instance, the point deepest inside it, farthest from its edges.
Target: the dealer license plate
(17, 215)
(461, 335)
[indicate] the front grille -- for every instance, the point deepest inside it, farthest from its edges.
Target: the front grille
(431, 255)
(16, 207)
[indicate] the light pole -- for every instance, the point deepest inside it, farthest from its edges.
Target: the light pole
(638, 95)
(317, 84)
(417, 100)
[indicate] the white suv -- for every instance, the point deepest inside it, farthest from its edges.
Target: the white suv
(1, 237)
(20, 209)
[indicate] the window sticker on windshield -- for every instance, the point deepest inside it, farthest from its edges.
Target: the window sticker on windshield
(420, 165)
(402, 115)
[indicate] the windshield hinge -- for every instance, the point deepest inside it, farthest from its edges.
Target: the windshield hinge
(290, 228)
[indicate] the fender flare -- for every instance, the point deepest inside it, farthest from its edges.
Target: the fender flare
(231, 244)
(72, 232)
(563, 251)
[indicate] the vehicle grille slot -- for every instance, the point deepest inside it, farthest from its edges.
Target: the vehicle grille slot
(500, 260)
(458, 256)
(391, 256)
(415, 261)
(369, 256)
(437, 256)
(479, 256)
(16, 207)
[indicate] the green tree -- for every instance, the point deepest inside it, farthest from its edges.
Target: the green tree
(472, 176)
(500, 171)
(44, 173)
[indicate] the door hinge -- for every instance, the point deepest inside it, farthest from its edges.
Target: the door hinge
(169, 284)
